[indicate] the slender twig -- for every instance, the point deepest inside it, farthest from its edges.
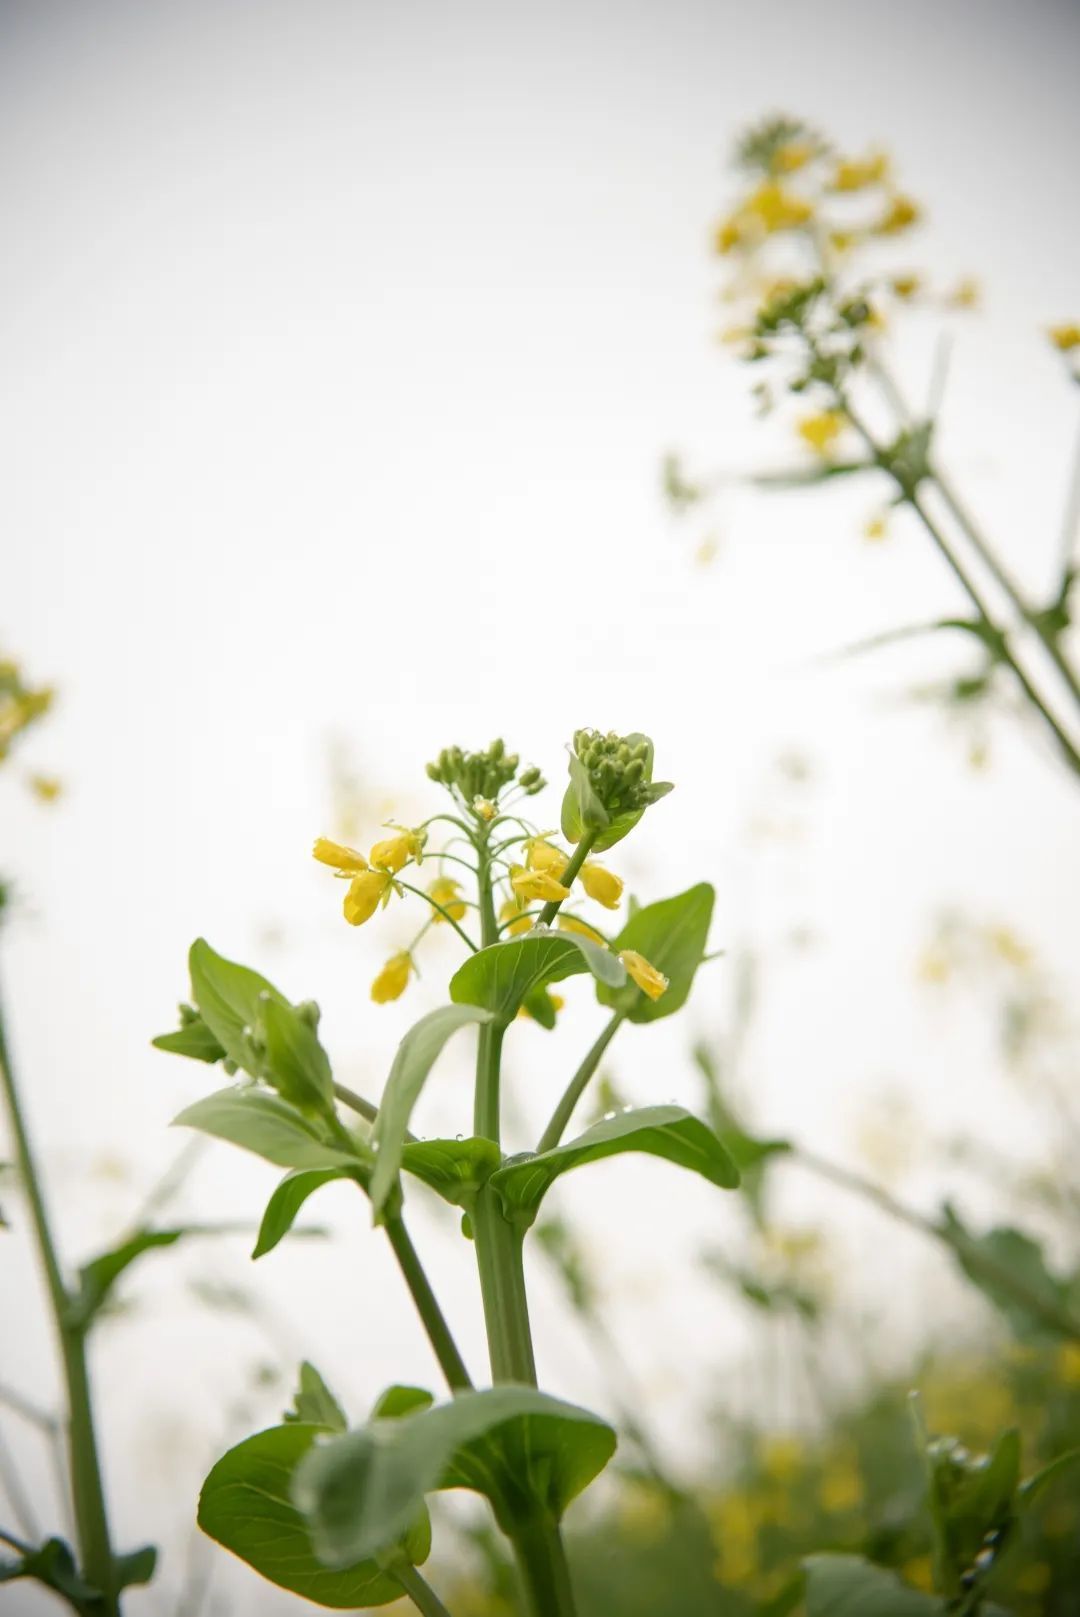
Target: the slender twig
(431, 1315)
(16, 1494)
(445, 913)
(419, 1591)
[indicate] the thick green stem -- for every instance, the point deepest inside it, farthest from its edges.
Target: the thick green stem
(577, 859)
(563, 1112)
(434, 1322)
(502, 1287)
(545, 1576)
(88, 1494)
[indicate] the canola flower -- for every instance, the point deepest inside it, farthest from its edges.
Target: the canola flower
(602, 884)
(648, 979)
(819, 432)
(446, 892)
(1065, 337)
(537, 884)
(393, 979)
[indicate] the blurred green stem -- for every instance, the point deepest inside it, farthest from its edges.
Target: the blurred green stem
(88, 1494)
(563, 1112)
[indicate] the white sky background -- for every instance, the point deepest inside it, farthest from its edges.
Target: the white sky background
(341, 344)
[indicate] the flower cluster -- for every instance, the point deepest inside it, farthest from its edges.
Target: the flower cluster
(517, 868)
(21, 706)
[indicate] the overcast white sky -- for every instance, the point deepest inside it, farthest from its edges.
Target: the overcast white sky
(341, 343)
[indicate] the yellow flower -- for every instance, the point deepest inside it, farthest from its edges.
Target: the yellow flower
(855, 174)
(782, 1458)
(905, 286)
(393, 979)
(728, 235)
(365, 894)
(964, 295)
(483, 806)
(601, 884)
(773, 208)
(346, 861)
(791, 156)
(1009, 947)
(541, 855)
(512, 907)
(876, 528)
(536, 884)
(1068, 1364)
(648, 979)
(1065, 338)
(919, 1572)
(572, 923)
(445, 892)
(393, 852)
(842, 241)
(900, 215)
(841, 1484)
(46, 787)
(819, 431)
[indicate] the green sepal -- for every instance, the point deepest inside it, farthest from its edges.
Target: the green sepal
(672, 934)
(246, 1506)
(659, 1131)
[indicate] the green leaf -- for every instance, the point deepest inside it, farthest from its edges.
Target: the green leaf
(400, 1400)
(582, 809)
(454, 1169)
(97, 1278)
(193, 1039)
(135, 1567)
(673, 936)
(288, 1198)
(53, 1564)
(848, 1586)
(503, 976)
(1009, 1268)
(299, 1066)
(971, 1496)
(272, 1129)
(1032, 1489)
(314, 1404)
(416, 1055)
(245, 1505)
(259, 1029)
(522, 1449)
(660, 1131)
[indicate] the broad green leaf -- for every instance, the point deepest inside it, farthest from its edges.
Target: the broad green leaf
(229, 997)
(416, 1055)
(271, 1128)
(971, 1496)
(1009, 1268)
(503, 976)
(314, 1404)
(673, 936)
(288, 1198)
(848, 1586)
(52, 1564)
(660, 1131)
(193, 1038)
(246, 1506)
(541, 1007)
(455, 1169)
(582, 810)
(517, 1446)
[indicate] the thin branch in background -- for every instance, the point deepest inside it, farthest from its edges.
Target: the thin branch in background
(21, 1507)
(1070, 526)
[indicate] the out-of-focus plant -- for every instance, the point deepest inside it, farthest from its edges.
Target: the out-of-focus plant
(338, 1514)
(810, 247)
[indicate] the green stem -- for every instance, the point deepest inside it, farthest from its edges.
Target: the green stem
(577, 859)
(563, 1112)
(545, 1576)
(910, 495)
(419, 1591)
(443, 911)
(91, 1515)
(434, 1321)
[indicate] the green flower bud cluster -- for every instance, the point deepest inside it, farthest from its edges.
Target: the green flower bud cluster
(483, 775)
(620, 769)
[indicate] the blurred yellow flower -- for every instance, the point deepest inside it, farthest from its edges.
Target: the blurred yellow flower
(905, 286)
(346, 861)
(782, 1458)
(445, 891)
(876, 528)
(841, 1484)
(964, 295)
(1008, 947)
(537, 884)
(728, 235)
(573, 923)
(900, 215)
(601, 884)
(791, 156)
(856, 173)
(919, 1572)
(1065, 338)
(393, 979)
(648, 979)
(934, 966)
(46, 787)
(773, 208)
(819, 432)
(512, 907)
(394, 852)
(365, 894)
